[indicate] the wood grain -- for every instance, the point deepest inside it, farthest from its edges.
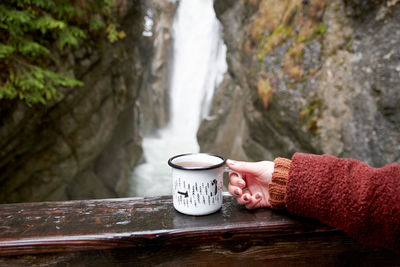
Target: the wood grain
(149, 230)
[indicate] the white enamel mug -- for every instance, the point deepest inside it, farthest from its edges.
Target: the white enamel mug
(197, 182)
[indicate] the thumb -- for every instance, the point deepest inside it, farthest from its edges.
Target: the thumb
(245, 167)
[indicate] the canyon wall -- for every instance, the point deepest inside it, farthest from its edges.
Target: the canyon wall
(85, 144)
(310, 76)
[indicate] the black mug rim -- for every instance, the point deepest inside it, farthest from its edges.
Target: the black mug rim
(173, 165)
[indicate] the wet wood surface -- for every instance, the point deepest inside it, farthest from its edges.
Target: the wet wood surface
(148, 231)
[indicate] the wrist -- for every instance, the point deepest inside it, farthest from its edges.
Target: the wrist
(277, 187)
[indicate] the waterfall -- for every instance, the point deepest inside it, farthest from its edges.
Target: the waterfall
(199, 62)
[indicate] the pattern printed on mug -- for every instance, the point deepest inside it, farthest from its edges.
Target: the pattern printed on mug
(193, 195)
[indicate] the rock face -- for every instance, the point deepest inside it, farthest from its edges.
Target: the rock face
(85, 145)
(156, 54)
(310, 76)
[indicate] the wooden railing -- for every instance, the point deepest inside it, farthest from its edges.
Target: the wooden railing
(148, 231)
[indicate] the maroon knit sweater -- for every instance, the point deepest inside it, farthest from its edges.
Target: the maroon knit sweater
(344, 193)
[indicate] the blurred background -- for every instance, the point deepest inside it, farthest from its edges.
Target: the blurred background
(96, 96)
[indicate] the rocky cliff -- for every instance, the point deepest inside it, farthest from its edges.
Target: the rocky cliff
(312, 76)
(156, 53)
(85, 144)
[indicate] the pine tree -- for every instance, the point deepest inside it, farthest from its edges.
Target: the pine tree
(35, 34)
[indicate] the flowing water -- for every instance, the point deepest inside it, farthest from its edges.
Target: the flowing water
(199, 62)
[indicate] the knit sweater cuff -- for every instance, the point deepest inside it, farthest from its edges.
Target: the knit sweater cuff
(277, 187)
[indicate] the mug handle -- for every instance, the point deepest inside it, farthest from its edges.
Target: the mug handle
(227, 169)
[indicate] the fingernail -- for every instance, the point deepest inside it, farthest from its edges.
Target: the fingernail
(258, 196)
(236, 192)
(245, 198)
(242, 183)
(231, 162)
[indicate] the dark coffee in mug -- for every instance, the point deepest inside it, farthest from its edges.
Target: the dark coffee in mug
(194, 164)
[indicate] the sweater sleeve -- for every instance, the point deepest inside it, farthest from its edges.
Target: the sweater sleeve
(348, 194)
(277, 187)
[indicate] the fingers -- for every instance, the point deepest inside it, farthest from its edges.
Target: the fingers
(236, 180)
(236, 185)
(244, 199)
(249, 201)
(255, 168)
(254, 201)
(234, 190)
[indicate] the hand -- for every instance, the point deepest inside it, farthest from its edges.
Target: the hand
(256, 178)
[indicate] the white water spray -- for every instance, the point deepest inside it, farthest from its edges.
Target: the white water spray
(199, 62)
